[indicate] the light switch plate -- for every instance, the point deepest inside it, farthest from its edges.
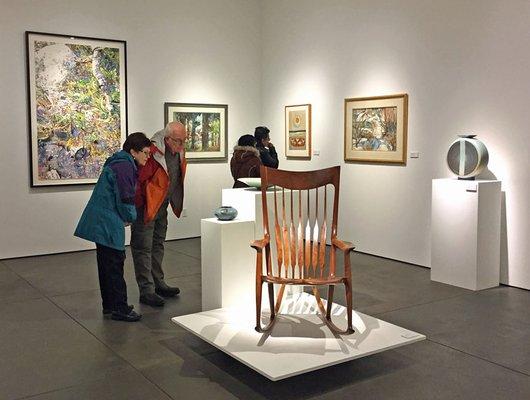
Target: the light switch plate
(316, 152)
(414, 154)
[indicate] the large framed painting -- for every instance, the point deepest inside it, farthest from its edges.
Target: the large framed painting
(298, 131)
(77, 106)
(375, 129)
(207, 128)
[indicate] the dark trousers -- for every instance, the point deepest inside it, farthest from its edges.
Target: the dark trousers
(147, 247)
(111, 282)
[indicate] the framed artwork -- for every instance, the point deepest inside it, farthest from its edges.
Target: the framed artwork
(375, 129)
(298, 131)
(206, 125)
(77, 106)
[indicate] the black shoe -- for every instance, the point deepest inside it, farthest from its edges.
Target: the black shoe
(152, 299)
(167, 291)
(131, 316)
(107, 312)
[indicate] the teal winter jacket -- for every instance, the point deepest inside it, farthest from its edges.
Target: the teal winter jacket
(111, 204)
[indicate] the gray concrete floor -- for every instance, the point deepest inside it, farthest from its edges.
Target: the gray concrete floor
(55, 344)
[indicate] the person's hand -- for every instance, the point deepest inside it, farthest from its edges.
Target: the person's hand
(270, 145)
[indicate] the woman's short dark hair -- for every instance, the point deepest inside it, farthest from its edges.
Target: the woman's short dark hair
(246, 140)
(260, 133)
(136, 141)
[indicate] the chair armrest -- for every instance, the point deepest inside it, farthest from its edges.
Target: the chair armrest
(259, 245)
(343, 246)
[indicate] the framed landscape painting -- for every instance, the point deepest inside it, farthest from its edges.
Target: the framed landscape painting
(77, 106)
(375, 129)
(206, 126)
(298, 131)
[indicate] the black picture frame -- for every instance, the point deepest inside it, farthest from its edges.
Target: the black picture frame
(72, 153)
(194, 116)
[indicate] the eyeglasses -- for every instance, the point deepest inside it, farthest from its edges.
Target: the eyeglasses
(177, 141)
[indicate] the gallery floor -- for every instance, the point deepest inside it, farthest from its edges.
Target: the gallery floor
(54, 343)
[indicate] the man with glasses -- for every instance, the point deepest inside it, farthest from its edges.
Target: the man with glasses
(160, 183)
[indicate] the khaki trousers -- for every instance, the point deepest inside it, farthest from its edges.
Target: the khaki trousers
(147, 247)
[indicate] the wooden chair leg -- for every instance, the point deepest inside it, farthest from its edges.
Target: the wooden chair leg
(324, 315)
(279, 299)
(271, 300)
(331, 289)
(349, 305)
(259, 288)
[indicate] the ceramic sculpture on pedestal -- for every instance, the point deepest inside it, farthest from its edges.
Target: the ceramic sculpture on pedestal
(226, 213)
(467, 157)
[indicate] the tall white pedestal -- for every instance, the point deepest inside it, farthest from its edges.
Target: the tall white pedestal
(227, 263)
(465, 233)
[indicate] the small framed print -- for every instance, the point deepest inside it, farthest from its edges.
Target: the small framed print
(298, 131)
(206, 126)
(375, 129)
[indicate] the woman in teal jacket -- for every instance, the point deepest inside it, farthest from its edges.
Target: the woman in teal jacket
(109, 210)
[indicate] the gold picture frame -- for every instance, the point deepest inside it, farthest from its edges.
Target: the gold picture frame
(375, 129)
(298, 131)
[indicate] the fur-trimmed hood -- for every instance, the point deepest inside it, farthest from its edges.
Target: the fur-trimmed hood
(245, 163)
(246, 151)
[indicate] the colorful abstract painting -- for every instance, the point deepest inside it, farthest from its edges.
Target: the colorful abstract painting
(77, 104)
(298, 131)
(375, 129)
(206, 127)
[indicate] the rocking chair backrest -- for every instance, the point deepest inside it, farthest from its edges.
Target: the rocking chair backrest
(300, 223)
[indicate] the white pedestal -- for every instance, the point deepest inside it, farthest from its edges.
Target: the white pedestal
(227, 263)
(465, 233)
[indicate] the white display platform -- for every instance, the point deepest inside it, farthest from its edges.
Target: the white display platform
(227, 263)
(465, 233)
(300, 341)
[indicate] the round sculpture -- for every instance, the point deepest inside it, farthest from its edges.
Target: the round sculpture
(225, 213)
(467, 157)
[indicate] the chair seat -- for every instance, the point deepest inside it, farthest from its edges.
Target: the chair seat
(309, 281)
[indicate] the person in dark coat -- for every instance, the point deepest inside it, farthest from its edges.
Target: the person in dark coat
(111, 208)
(267, 152)
(245, 162)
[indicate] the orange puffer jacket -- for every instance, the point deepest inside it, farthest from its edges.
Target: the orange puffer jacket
(153, 180)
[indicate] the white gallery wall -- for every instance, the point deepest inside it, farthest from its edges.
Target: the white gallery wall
(465, 67)
(198, 51)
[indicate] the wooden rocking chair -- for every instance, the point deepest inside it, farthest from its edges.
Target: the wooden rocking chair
(301, 242)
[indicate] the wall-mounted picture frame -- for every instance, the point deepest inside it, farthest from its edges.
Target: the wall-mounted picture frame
(375, 129)
(77, 106)
(298, 131)
(207, 128)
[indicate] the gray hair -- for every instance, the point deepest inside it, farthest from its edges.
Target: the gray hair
(167, 129)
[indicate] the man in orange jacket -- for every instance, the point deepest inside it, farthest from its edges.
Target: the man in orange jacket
(160, 183)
